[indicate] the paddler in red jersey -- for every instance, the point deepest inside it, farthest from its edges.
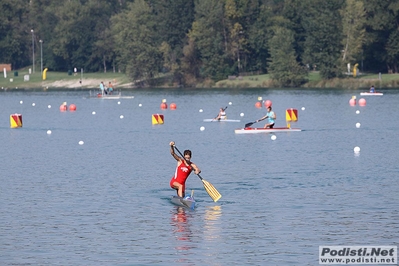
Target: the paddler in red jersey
(183, 170)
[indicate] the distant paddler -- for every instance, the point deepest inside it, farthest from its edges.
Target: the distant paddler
(222, 114)
(183, 170)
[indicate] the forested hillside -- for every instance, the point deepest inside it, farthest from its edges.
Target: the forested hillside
(189, 41)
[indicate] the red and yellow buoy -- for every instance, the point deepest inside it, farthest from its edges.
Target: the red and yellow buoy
(15, 120)
(157, 119)
(291, 115)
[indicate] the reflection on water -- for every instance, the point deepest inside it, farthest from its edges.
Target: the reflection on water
(212, 226)
(181, 229)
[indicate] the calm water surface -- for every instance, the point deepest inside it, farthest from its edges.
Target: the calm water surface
(107, 202)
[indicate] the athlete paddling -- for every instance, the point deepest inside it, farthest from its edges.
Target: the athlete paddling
(183, 170)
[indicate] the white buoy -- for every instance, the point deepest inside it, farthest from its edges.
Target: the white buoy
(33, 104)
(303, 108)
(21, 102)
(356, 149)
(49, 106)
(230, 103)
(81, 142)
(140, 105)
(93, 113)
(202, 128)
(121, 117)
(200, 110)
(48, 132)
(119, 102)
(242, 114)
(357, 125)
(357, 112)
(273, 137)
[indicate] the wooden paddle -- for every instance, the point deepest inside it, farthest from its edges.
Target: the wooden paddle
(210, 189)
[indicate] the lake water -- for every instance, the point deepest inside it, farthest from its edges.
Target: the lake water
(107, 202)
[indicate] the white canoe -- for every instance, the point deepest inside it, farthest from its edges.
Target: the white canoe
(114, 96)
(222, 120)
(250, 130)
(187, 202)
(371, 93)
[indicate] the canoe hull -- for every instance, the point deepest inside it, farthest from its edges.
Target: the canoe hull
(187, 202)
(224, 120)
(250, 130)
(371, 93)
(114, 96)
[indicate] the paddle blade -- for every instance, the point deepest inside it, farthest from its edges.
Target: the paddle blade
(211, 190)
(249, 124)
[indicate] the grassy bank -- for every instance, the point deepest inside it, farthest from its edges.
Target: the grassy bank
(364, 81)
(61, 80)
(79, 80)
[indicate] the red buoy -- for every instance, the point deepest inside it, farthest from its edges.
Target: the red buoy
(164, 106)
(72, 107)
(258, 104)
(362, 102)
(172, 106)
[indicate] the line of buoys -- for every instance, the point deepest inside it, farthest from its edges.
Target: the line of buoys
(64, 107)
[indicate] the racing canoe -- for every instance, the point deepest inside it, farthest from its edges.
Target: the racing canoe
(250, 130)
(115, 95)
(371, 93)
(222, 120)
(187, 202)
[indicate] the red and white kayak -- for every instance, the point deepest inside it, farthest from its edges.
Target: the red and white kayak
(371, 93)
(250, 130)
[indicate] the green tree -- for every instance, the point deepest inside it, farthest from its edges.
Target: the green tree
(284, 70)
(174, 19)
(382, 22)
(258, 35)
(323, 31)
(209, 37)
(135, 41)
(353, 24)
(15, 34)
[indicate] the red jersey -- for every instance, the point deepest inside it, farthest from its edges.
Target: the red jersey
(181, 174)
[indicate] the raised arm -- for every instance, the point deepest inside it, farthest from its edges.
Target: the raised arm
(172, 151)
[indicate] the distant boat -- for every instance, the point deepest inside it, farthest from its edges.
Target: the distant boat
(250, 130)
(221, 120)
(371, 93)
(114, 95)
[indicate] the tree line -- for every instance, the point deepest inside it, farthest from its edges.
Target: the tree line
(188, 41)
